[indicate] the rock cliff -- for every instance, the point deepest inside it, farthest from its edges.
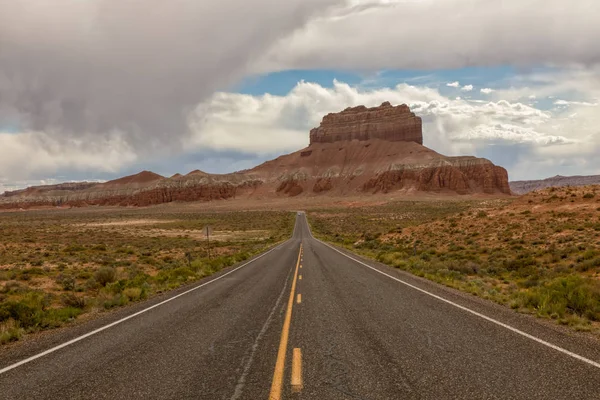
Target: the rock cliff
(357, 151)
(379, 166)
(386, 122)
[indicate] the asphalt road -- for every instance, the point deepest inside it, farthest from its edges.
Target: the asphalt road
(304, 321)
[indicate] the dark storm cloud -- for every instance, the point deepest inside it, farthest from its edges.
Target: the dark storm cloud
(71, 68)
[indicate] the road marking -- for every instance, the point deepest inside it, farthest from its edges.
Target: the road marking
(277, 384)
(300, 277)
(300, 265)
(95, 331)
(492, 320)
(239, 388)
(485, 317)
(299, 298)
(297, 371)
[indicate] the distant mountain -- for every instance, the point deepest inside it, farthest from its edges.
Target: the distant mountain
(522, 187)
(357, 151)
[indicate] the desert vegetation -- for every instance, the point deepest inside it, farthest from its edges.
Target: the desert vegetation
(538, 254)
(61, 264)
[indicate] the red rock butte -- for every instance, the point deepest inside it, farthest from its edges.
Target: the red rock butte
(386, 122)
(359, 151)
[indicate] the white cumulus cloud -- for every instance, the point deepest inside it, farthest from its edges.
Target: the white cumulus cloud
(513, 134)
(467, 88)
(453, 84)
(486, 90)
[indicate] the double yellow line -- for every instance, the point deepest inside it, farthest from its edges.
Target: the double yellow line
(277, 384)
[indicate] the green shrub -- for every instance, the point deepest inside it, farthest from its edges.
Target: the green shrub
(589, 196)
(99, 247)
(116, 300)
(57, 316)
(71, 300)
(91, 284)
(74, 248)
(27, 315)
(10, 331)
(105, 275)
(563, 296)
(133, 293)
(67, 282)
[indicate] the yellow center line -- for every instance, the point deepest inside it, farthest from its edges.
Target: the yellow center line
(277, 384)
(300, 277)
(297, 371)
(299, 298)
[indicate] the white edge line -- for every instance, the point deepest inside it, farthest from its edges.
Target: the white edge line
(492, 320)
(77, 339)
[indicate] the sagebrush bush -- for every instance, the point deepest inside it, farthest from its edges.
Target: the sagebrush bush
(67, 282)
(105, 275)
(133, 293)
(10, 331)
(72, 300)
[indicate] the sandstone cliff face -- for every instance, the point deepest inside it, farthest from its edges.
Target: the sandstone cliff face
(386, 122)
(458, 175)
(357, 151)
(379, 166)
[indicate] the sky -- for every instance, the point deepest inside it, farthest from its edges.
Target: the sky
(98, 89)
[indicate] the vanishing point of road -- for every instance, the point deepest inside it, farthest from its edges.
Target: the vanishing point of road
(306, 321)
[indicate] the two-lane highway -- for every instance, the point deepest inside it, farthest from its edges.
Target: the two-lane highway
(307, 321)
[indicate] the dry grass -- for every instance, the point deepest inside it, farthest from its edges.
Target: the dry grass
(59, 264)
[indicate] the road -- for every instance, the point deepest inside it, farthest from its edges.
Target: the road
(305, 321)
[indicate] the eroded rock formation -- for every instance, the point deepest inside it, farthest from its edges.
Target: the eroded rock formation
(358, 151)
(386, 122)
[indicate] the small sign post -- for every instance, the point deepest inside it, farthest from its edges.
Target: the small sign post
(207, 231)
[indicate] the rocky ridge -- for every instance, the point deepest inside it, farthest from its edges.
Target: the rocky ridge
(359, 150)
(522, 187)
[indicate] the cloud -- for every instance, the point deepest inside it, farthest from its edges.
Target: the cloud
(582, 84)
(111, 84)
(29, 154)
(467, 88)
(443, 34)
(511, 133)
(74, 72)
(486, 90)
(578, 103)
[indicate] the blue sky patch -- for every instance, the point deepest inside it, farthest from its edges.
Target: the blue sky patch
(280, 83)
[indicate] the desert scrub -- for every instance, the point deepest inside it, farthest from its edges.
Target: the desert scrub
(56, 265)
(105, 275)
(561, 297)
(536, 256)
(32, 312)
(10, 331)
